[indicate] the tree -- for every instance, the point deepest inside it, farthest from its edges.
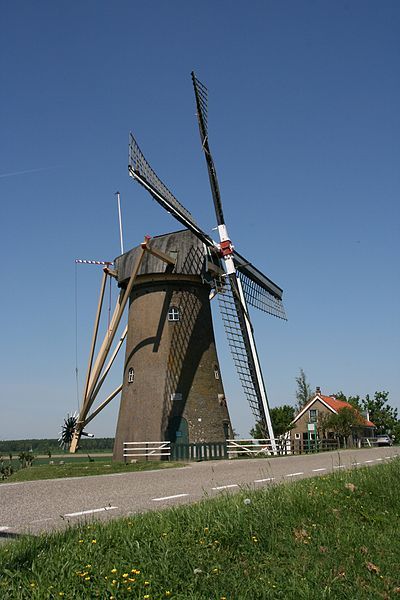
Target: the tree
(281, 417)
(343, 422)
(303, 392)
(383, 416)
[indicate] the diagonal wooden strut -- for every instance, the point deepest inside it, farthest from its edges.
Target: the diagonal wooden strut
(94, 374)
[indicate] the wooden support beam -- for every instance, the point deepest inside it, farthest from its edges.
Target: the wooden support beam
(109, 365)
(95, 332)
(103, 405)
(158, 253)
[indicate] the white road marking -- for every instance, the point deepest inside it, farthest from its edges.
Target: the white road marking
(90, 512)
(41, 520)
(294, 474)
(317, 470)
(224, 487)
(4, 528)
(369, 461)
(262, 480)
(379, 459)
(388, 457)
(339, 467)
(169, 497)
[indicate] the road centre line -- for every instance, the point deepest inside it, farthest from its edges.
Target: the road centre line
(369, 461)
(262, 480)
(4, 528)
(41, 520)
(90, 512)
(339, 467)
(294, 474)
(317, 470)
(169, 497)
(224, 487)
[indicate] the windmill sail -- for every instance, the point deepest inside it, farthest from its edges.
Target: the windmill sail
(259, 290)
(140, 170)
(233, 317)
(201, 95)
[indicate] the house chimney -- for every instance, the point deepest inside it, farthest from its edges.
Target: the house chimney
(317, 390)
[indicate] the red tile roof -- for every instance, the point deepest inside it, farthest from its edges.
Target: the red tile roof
(337, 405)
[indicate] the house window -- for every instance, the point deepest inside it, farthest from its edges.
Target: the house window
(131, 375)
(297, 436)
(313, 415)
(216, 372)
(173, 314)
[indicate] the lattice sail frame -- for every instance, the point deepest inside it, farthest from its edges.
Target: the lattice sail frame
(202, 94)
(141, 168)
(260, 298)
(236, 335)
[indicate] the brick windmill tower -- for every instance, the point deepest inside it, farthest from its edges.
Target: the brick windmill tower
(172, 387)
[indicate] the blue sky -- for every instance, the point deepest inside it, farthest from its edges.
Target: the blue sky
(304, 128)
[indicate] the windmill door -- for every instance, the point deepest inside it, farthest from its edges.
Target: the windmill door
(178, 431)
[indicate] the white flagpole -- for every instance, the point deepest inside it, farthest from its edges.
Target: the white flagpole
(120, 222)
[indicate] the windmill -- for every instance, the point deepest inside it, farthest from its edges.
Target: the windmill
(172, 387)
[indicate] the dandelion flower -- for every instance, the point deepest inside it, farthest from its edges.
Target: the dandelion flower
(114, 570)
(94, 541)
(125, 575)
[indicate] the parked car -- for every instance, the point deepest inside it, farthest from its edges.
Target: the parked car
(384, 440)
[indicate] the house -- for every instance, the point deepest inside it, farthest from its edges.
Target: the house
(308, 423)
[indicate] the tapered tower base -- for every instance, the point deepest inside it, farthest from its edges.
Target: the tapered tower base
(172, 386)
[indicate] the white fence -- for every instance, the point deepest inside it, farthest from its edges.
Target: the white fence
(257, 448)
(134, 450)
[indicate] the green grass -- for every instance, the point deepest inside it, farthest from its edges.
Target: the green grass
(313, 539)
(100, 466)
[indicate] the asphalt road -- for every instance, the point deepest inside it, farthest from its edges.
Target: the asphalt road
(38, 506)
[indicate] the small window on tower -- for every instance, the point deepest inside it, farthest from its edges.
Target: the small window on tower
(173, 314)
(131, 375)
(216, 372)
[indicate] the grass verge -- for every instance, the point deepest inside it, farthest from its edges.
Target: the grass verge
(85, 469)
(329, 537)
